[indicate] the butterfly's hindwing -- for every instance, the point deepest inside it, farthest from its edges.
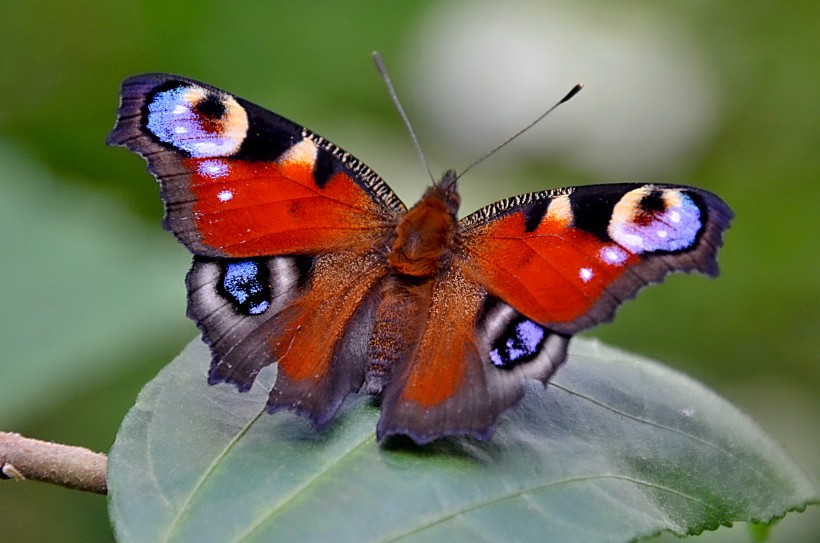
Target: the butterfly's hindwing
(468, 366)
(312, 318)
(320, 341)
(231, 300)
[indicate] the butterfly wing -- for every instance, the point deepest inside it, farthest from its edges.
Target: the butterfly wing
(529, 272)
(568, 258)
(240, 181)
(283, 225)
(313, 322)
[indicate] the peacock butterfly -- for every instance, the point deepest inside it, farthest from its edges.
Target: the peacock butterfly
(305, 258)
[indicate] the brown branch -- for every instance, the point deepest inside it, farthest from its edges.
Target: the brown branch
(72, 467)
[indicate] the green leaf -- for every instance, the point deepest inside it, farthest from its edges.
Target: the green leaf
(616, 448)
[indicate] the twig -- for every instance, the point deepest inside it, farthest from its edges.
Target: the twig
(72, 467)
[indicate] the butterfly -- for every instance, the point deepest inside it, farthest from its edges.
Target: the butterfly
(305, 258)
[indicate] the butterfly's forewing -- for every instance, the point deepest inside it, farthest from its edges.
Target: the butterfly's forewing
(283, 226)
(568, 258)
(240, 181)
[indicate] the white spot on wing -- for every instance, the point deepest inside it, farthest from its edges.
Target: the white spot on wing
(225, 195)
(213, 168)
(560, 210)
(585, 274)
(612, 254)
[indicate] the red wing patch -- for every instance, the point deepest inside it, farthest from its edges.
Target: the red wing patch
(273, 208)
(553, 274)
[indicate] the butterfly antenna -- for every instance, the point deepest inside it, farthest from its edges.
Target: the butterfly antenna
(377, 58)
(504, 143)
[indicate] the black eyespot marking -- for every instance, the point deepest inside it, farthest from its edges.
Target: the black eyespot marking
(520, 342)
(211, 107)
(653, 202)
(246, 284)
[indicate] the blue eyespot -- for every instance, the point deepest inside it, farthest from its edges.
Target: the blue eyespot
(520, 342)
(247, 285)
(198, 122)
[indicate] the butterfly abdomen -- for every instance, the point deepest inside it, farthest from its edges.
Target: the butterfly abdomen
(397, 328)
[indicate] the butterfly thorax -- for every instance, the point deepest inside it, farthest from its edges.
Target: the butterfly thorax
(426, 235)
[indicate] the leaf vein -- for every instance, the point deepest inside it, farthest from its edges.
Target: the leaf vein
(278, 507)
(539, 488)
(207, 473)
(663, 427)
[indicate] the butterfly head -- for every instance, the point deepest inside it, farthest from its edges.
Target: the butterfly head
(446, 191)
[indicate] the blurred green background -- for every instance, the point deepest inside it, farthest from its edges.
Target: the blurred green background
(724, 95)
